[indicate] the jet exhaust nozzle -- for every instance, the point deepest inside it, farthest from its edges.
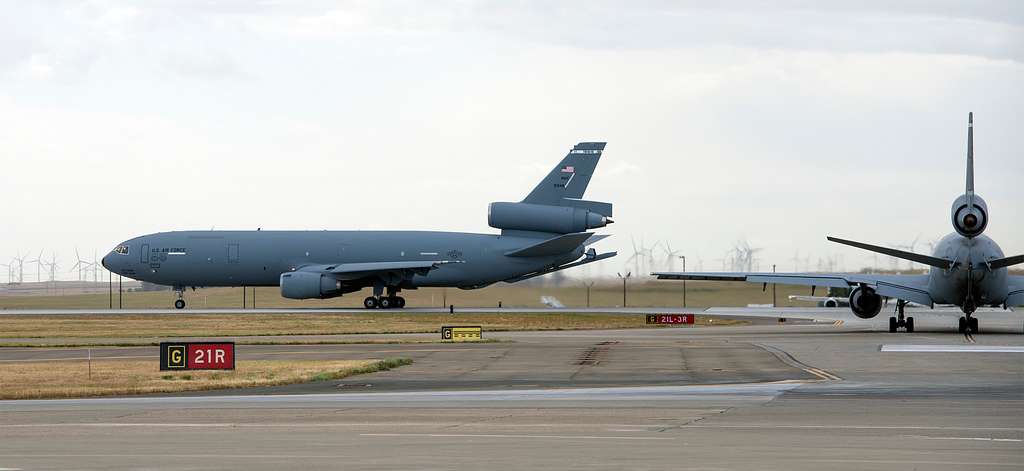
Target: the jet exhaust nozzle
(969, 215)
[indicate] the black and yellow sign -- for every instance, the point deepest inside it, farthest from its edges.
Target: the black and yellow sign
(462, 333)
(172, 356)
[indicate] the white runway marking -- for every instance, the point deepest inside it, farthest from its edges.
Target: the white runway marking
(482, 435)
(123, 357)
(611, 427)
(722, 392)
(953, 348)
(977, 439)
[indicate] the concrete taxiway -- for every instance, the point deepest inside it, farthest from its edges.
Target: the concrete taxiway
(757, 397)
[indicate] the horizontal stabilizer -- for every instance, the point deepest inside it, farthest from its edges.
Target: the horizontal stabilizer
(596, 238)
(564, 243)
(583, 261)
(1005, 262)
(914, 257)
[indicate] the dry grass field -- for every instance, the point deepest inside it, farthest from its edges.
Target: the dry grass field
(65, 379)
(232, 325)
(572, 294)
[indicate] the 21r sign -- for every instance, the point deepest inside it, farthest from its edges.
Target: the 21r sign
(197, 356)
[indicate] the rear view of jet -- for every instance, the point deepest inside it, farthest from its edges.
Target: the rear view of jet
(546, 232)
(968, 269)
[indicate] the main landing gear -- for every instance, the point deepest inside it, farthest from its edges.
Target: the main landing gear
(384, 302)
(392, 300)
(896, 323)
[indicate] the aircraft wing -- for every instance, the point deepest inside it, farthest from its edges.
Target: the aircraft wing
(354, 271)
(940, 314)
(816, 299)
(906, 287)
(1016, 295)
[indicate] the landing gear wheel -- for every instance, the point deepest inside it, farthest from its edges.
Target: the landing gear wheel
(399, 302)
(387, 303)
(370, 302)
(962, 325)
(910, 325)
(892, 325)
(973, 322)
(179, 304)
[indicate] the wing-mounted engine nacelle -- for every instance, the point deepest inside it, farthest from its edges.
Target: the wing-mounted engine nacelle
(544, 218)
(830, 302)
(865, 302)
(309, 285)
(969, 219)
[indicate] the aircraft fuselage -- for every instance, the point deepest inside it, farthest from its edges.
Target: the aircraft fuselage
(968, 288)
(258, 258)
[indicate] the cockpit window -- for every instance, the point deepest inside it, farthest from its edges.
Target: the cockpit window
(121, 249)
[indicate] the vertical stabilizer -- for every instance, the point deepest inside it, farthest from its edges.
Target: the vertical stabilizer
(970, 154)
(569, 179)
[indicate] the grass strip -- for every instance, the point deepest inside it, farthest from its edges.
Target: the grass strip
(74, 379)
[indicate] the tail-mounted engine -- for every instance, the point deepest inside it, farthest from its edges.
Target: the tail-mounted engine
(865, 302)
(548, 218)
(970, 215)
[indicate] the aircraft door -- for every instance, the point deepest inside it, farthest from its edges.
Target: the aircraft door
(144, 254)
(232, 253)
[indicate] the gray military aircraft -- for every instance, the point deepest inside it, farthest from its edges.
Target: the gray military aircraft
(543, 233)
(968, 269)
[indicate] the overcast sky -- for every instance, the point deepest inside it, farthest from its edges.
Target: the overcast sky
(774, 122)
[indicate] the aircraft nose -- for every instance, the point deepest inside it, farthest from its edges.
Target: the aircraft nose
(103, 261)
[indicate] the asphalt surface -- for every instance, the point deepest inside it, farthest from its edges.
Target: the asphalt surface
(757, 397)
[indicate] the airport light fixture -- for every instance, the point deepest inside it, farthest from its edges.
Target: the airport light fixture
(684, 281)
(588, 286)
(624, 278)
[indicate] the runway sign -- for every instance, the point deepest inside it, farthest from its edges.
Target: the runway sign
(461, 333)
(197, 356)
(670, 318)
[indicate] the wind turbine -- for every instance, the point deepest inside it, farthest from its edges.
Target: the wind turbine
(649, 255)
(39, 265)
(21, 267)
(637, 257)
(82, 266)
(670, 255)
(53, 266)
(95, 269)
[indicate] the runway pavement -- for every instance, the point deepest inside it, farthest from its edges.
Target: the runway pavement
(756, 397)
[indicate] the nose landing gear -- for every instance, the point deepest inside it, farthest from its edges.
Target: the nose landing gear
(968, 325)
(901, 322)
(180, 302)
